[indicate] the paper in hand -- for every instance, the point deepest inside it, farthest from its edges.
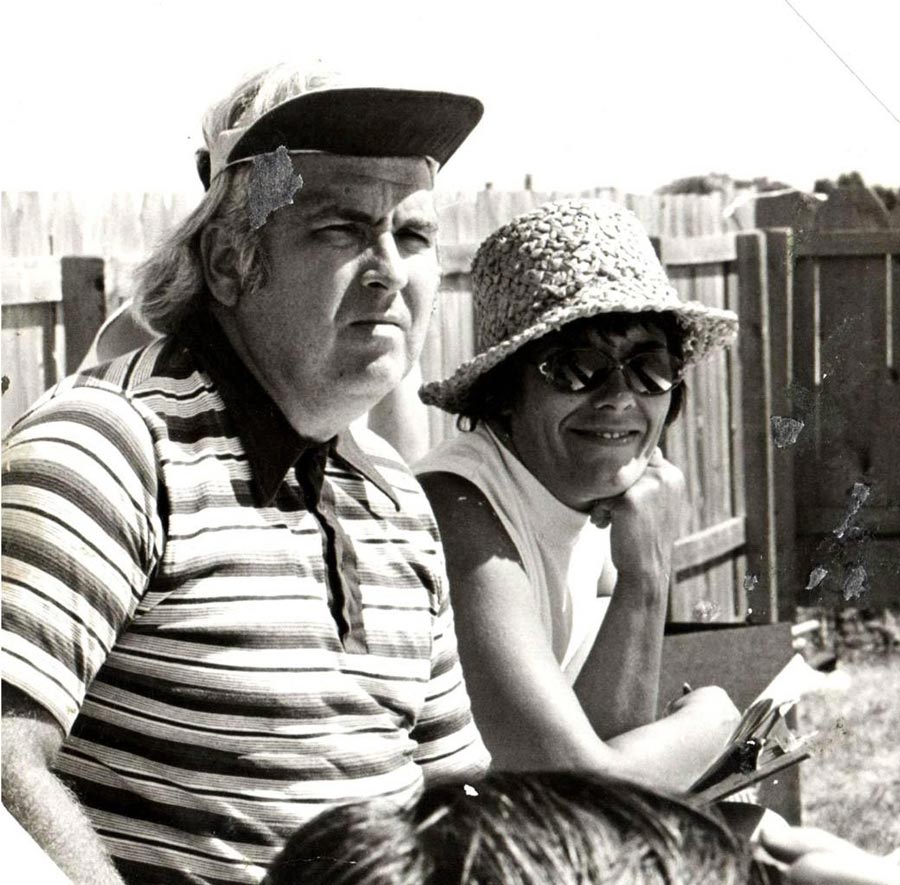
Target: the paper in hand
(762, 742)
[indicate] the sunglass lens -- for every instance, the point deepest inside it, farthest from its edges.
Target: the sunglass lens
(652, 373)
(575, 370)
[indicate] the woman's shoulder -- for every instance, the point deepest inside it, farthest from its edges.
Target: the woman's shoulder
(462, 454)
(466, 517)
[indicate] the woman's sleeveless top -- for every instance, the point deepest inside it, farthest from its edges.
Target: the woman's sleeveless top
(565, 556)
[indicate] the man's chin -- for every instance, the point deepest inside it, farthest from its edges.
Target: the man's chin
(377, 378)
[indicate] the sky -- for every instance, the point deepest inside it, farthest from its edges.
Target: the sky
(108, 96)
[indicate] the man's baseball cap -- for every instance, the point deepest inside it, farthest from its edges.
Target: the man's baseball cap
(352, 121)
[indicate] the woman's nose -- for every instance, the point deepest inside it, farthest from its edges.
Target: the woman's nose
(614, 392)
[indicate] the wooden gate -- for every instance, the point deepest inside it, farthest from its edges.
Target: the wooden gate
(845, 387)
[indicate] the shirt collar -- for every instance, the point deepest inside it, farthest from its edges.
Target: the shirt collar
(271, 443)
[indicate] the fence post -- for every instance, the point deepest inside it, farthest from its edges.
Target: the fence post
(755, 350)
(84, 305)
(780, 280)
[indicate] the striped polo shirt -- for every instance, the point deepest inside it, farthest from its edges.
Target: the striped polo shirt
(235, 628)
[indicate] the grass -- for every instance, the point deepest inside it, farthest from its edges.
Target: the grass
(851, 785)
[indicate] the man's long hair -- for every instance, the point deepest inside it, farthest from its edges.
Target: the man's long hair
(171, 283)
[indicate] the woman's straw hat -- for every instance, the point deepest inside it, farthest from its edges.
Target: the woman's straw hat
(562, 262)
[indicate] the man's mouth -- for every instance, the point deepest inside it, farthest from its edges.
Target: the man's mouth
(379, 321)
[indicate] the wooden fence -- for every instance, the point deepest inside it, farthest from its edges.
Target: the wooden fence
(40, 229)
(810, 307)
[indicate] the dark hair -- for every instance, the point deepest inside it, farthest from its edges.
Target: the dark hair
(495, 392)
(518, 829)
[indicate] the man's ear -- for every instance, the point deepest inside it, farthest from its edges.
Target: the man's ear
(219, 265)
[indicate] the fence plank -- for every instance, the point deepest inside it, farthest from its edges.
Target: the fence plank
(754, 347)
(30, 280)
(30, 338)
(779, 274)
(710, 543)
(84, 305)
(736, 435)
(712, 396)
(457, 257)
(706, 249)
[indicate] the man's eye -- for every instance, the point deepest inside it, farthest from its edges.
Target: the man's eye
(414, 237)
(337, 232)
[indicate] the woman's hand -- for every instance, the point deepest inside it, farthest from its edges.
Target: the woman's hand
(710, 702)
(646, 520)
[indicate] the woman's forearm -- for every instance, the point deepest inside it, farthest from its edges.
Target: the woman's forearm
(619, 682)
(673, 752)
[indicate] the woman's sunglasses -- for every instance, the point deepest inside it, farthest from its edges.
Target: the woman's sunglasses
(650, 372)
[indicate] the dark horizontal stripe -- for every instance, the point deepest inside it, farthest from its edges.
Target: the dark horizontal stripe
(105, 423)
(23, 472)
(256, 704)
(378, 542)
(321, 636)
(71, 488)
(430, 760)
(212, 667)
(248, 598)
(209, 793)
(196, 821)
(200, 390)
(122, 542)
(68, 569)
(242, 527)
(441, 694)
(303, 760)
(396, 608)
(136, 873)
(47, 676)
(431, 730)
(221, 457)
(439, 667)
(190, 716)
(188, 851)
(204, 426)
(216, 566)
(10, 619)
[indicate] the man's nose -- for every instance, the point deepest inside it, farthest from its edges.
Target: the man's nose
(387, 270)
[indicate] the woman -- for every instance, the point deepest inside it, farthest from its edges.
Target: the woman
(559, 495)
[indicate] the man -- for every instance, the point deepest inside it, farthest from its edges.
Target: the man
(223, 612)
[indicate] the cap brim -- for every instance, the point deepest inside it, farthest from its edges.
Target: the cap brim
(364, 122)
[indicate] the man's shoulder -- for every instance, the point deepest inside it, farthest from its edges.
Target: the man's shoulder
(159, 363)
(120, 390)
